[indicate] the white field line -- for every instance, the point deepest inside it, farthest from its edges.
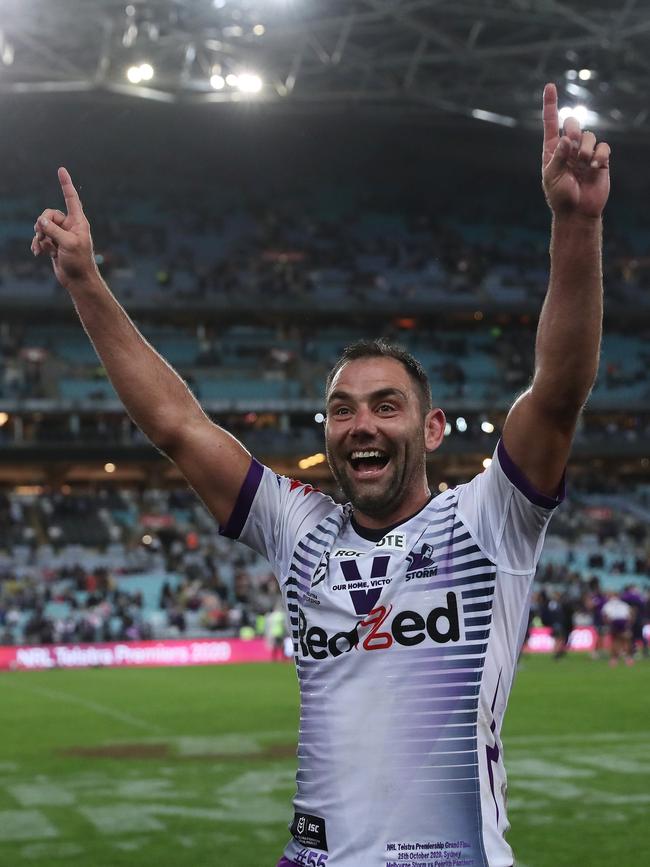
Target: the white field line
(101, 709)
(577, 737)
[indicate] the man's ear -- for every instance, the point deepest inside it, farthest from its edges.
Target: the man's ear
(434, 429)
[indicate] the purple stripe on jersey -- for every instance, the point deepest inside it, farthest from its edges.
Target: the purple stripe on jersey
(239, 515)
(522, 484)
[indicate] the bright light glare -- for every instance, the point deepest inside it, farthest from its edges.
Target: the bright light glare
(109, 468)
(134, 74)
(4, 418)
(585, 74)
(319, 418)
(146, 71)
(461, 424)
(231, 80)
(311, 461)
(248, 82)
(486, 462)
(487, 427)
(580, 112)
(447, 429)
(442, 487)
(218, 82)
(259, 30)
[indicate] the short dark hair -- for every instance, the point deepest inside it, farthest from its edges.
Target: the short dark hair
(380, 348)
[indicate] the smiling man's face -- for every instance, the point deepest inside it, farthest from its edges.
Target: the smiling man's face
(377, 438)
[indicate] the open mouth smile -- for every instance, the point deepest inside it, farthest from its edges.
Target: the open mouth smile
(368, 463)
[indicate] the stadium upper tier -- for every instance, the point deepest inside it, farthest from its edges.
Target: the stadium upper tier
(249, 368)
(319, 254)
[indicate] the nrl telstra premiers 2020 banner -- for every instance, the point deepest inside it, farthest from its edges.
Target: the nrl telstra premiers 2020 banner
(134, 653)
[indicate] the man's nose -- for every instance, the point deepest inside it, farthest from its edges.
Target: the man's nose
(365, 422)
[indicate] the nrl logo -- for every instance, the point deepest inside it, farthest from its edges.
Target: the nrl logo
(321, 569)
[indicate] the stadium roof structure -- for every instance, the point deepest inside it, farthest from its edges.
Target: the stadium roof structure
(440, 60)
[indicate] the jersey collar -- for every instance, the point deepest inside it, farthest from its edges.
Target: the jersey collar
(376, 535)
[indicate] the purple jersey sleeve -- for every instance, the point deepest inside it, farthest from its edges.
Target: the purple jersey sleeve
(273, 512)
(508, 516)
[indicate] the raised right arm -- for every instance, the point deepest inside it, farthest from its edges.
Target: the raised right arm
(154, 395)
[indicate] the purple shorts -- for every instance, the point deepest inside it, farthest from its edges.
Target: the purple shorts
(284, 863)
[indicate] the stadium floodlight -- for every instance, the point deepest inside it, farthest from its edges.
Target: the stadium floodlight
(581, 112)
(8, 53)
(259, 30)
(109, 467)
(447, 429)
(319, 418)
(461, 424)
(249, 82)
(231, 80)
(571, 74)
(585, 74)
(218, 4)
(311, 461)
(486, 463)
(146, 71)
(493, 117)
(4, 418)
(487, 427)
(218, 82)
(442, 487)
(134, 75)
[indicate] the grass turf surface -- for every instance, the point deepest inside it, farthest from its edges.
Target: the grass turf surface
(193, 767)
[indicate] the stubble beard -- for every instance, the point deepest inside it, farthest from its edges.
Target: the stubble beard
(390, 492)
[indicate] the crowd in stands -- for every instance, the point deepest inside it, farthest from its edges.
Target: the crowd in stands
(255, 367)
(120, 565)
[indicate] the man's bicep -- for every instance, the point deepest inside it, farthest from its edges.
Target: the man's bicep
(214, 463)
(538, 443)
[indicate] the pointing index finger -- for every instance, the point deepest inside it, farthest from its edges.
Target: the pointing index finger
(550, 114)
(72, 200)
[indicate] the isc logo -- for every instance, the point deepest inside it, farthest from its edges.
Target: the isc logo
(407, 628)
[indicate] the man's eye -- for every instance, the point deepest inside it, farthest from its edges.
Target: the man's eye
(341, 410)
(385, 407)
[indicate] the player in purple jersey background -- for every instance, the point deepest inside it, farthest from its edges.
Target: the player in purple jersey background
(380, 422)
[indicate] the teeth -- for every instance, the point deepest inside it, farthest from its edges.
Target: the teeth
(367, 454)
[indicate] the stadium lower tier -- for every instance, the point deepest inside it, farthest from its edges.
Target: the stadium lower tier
(119, 565)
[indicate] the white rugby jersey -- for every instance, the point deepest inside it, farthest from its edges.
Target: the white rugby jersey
(406, 642)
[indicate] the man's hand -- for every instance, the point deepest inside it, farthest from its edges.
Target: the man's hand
(575, 169)
(66, 237)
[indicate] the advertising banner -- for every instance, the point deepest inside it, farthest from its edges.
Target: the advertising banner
(125, 654)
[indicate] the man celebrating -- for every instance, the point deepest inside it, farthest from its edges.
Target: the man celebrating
(407, 611)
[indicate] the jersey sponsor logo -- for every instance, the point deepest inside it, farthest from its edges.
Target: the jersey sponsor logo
(408, 628)
(394, 541)
(309, 831)
(421, 565)
(347, 552)
(363, 599)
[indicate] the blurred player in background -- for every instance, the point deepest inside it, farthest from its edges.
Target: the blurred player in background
(407, 611)
(618, 615)
(636, 600)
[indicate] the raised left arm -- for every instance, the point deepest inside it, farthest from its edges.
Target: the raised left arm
(540, 426)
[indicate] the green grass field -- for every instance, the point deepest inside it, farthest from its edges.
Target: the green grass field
(194, 767)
